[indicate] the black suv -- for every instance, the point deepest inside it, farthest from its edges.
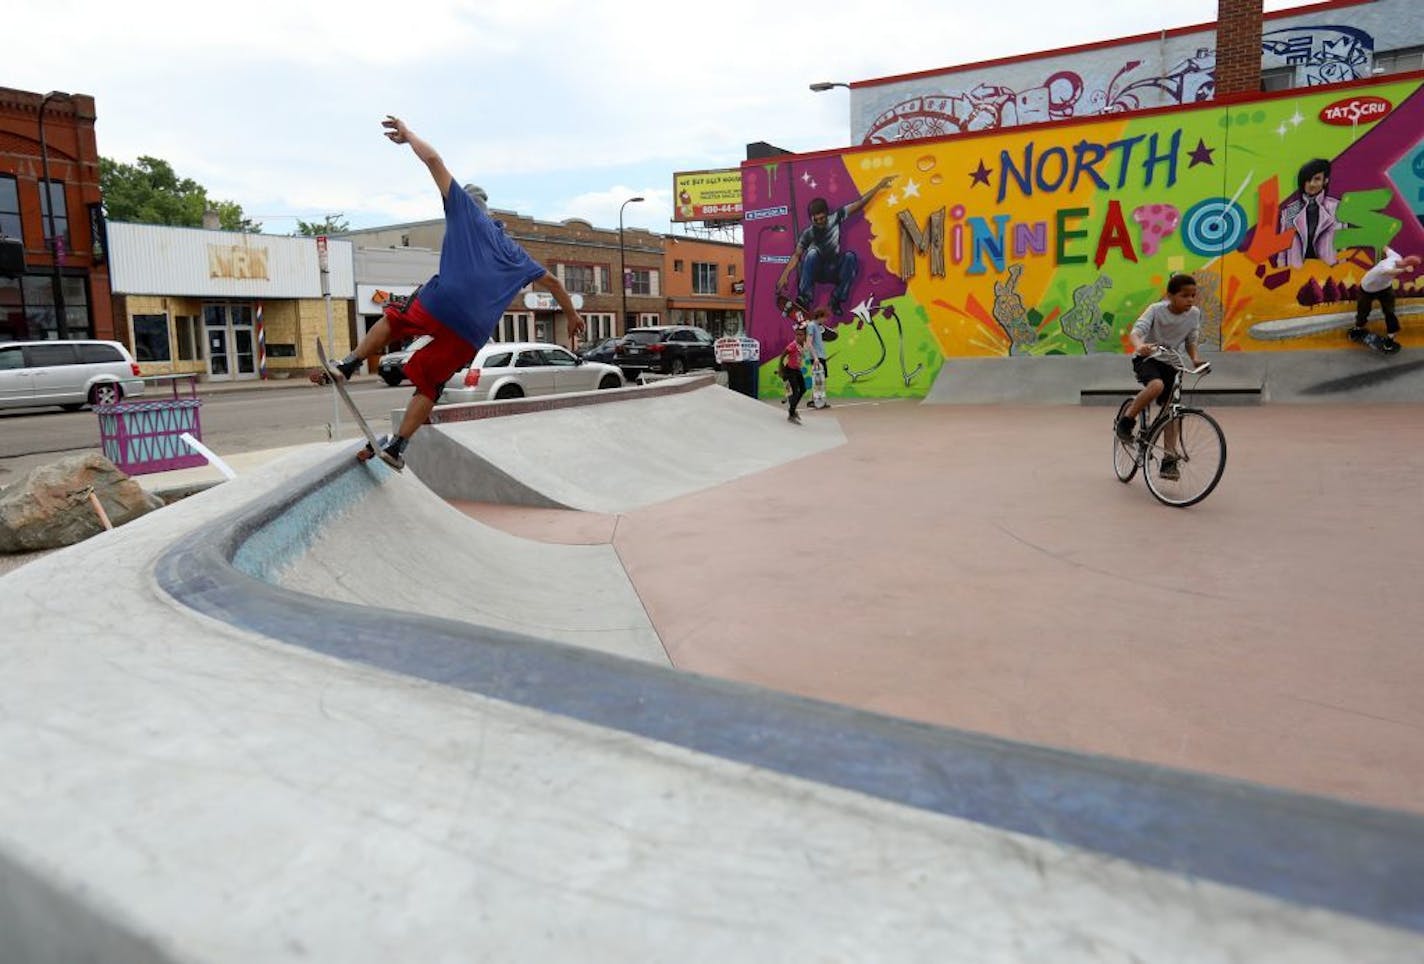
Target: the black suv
(669, 349)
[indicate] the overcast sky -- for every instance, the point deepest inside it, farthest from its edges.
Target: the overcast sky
(558, 108)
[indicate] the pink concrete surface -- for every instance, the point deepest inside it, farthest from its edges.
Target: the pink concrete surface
(982, 568)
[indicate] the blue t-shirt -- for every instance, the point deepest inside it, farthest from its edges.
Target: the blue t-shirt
(481, 269)
(818, 346)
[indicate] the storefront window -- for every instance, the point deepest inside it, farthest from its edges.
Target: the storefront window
(9, 208)
(150, 334)
(55, 196)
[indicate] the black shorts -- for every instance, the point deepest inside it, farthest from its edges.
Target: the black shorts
(1148, 369)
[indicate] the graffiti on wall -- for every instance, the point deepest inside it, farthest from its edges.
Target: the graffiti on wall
(1321, 55)
(1054, 241)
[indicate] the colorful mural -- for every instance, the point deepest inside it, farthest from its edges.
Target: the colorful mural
(1052, 240)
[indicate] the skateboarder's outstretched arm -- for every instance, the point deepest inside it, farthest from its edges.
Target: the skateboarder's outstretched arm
(864, 199)
(561, 294)
(398, 133)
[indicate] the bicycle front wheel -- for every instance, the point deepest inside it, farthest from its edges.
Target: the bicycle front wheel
(1124, 453)
(1197, 452)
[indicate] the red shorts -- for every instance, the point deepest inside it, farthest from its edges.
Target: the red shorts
(430, 367)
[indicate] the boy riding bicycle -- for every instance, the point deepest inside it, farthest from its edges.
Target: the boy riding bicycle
(1174, 323)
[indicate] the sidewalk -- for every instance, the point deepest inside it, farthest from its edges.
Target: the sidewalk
(160, 389)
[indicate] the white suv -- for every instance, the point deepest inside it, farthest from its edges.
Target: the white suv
(69, 374)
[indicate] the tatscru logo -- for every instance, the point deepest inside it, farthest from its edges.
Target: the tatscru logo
(1355, 110)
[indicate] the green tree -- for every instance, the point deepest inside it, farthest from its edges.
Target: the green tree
(334, 224)
(151, 192)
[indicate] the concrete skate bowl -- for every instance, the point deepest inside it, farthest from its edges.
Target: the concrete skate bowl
(289, 566)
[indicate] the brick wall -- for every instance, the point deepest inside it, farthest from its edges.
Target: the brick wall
(73, 154)
(1238, 47)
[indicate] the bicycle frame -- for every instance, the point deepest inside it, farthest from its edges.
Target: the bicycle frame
(1173, 407)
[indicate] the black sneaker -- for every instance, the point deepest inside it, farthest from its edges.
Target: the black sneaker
(324, 376)
(1170, 470)
(1357, 333)
(1388, 343)
(391, 452)
(794, 419)
(1124, 429)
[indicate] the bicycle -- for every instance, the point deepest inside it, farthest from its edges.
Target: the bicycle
(1199, 450)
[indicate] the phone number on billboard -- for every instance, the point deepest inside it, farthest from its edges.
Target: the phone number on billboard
(720, 208)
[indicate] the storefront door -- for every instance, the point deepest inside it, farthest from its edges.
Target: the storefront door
(232, 345)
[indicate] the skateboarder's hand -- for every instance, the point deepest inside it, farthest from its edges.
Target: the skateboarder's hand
(396, 130)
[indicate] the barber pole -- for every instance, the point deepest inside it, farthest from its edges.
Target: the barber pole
(261, 344)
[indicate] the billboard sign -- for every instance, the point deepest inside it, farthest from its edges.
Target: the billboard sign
(707, 195)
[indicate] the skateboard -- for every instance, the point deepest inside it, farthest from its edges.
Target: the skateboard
(1374, 341)
(340, 383)
(790, 308)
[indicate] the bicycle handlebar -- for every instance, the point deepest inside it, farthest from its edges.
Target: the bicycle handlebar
(1174, 358)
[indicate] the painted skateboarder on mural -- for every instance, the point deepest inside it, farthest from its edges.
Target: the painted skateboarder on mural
(818, 251)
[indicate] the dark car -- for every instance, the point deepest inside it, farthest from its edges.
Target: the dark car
(667, 349)
(603, 351)
(392, 365)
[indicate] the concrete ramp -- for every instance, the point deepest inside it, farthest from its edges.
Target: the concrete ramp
(399, 546)
(614, 457)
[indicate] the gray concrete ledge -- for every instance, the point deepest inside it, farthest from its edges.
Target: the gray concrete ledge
(1294, 377)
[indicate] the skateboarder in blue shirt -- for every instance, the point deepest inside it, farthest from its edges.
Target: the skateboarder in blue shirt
(481, 269)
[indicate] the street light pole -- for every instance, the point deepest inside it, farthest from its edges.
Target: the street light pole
(61, 321)
(622, 266)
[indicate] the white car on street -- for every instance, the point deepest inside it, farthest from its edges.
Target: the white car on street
(527, 369)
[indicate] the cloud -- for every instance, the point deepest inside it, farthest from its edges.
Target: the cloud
(567, 107)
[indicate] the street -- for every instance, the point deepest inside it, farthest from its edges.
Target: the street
(272, 416)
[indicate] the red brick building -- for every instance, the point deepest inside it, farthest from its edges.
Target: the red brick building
(704, 284)
(62, 288)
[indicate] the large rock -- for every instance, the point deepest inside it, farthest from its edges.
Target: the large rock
(50, 506)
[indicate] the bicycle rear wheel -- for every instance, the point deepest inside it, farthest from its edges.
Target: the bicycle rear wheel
(1200, 453)
(1124, 453)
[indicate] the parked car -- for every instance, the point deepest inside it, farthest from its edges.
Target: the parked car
(528, 369)
(391, 367)
(69, 374)
(601, 352)
(669, 349)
